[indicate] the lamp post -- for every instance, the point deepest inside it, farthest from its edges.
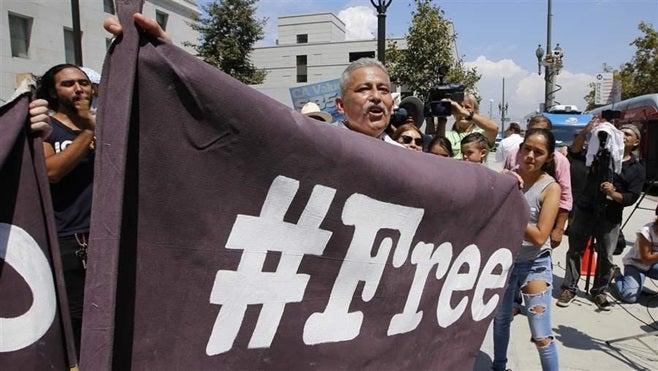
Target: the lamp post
(552, 64)
(491, 102)
(381, 7)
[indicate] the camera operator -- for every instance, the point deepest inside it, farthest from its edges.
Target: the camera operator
(598, 213)
(468, 119)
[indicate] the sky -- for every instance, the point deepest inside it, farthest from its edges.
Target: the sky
(499, 38)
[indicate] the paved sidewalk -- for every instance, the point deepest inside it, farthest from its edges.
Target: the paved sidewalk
(581, 330)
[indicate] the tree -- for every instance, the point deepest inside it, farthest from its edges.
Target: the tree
(430, 44)
(640, 75)
(227, 36)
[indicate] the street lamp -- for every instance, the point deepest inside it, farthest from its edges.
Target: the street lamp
(552, 64)
(491, 102)
(381, 7)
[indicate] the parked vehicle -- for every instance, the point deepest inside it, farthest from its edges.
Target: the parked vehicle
(566, 125)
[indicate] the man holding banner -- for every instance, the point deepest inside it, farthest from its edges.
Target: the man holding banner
(313, 254)
(69, 153)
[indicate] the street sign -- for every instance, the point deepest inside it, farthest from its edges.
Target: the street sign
(603, 88)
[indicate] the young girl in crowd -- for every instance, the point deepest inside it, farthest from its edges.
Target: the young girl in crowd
(440, 146)
(409, 136)
(474, 148)
(532, 271)
(639, 263)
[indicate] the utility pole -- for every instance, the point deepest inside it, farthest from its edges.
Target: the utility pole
(381, 7)
(502, 107)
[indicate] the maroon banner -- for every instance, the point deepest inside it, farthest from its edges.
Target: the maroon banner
(31, 295)
(232, 232)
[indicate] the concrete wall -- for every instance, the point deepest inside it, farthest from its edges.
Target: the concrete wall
(49, 18)
(327, 51)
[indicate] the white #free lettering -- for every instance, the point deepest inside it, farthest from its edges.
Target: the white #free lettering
(258, 235)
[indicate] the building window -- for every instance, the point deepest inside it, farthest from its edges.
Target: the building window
(69, 46)
(302, 73)
(302, 38)
(162, 18)
(358, 55)
(20, 29)
(108, 6)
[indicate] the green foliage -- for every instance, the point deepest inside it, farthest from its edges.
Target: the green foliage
(227, 36)
(430, 43)
(640, 75)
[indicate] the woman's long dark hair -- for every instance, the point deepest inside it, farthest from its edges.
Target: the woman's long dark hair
(549, 166)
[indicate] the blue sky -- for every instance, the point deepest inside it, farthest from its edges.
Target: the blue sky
(500, 38)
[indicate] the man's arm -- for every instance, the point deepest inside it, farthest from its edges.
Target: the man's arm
(512, 159)
(578, 144)
(628, 196)
(61, 163)
(558, 228)
(488, 125)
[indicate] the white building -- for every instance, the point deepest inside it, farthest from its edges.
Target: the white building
(36, 35)
(310, 48)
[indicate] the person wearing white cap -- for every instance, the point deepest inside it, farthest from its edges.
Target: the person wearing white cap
(312, 110)
(95, 79)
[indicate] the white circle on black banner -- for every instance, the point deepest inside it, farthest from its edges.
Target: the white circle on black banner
(23, 254)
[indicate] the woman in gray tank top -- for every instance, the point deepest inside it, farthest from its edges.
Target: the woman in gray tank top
(532, 273)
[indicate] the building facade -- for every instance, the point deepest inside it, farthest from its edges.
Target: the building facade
(311, 48)
(36, 35)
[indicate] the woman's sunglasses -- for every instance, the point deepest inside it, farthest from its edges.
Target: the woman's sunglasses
(406, 139)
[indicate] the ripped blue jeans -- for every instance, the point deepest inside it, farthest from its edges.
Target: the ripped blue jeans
(538, 313)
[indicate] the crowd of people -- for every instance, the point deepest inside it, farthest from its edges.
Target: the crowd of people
(555, 193)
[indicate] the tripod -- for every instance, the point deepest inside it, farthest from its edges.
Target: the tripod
(636, 337)
(600, 172)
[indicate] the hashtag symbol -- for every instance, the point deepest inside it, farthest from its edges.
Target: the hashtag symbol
(256, 236)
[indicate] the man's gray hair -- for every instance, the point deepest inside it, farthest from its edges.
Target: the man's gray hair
(474, 101)
(359, 63)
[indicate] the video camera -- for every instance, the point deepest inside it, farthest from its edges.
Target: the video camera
(398, 117)
(610, 114)
(434, 104)
(601, 172)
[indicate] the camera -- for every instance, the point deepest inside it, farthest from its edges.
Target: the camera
(610, 114)
(435, 106)
(398, 117)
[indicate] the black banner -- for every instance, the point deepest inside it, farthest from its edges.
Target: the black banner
(31, 295)
(232, 232)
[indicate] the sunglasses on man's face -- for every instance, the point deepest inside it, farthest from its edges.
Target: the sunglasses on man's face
(406, 139)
